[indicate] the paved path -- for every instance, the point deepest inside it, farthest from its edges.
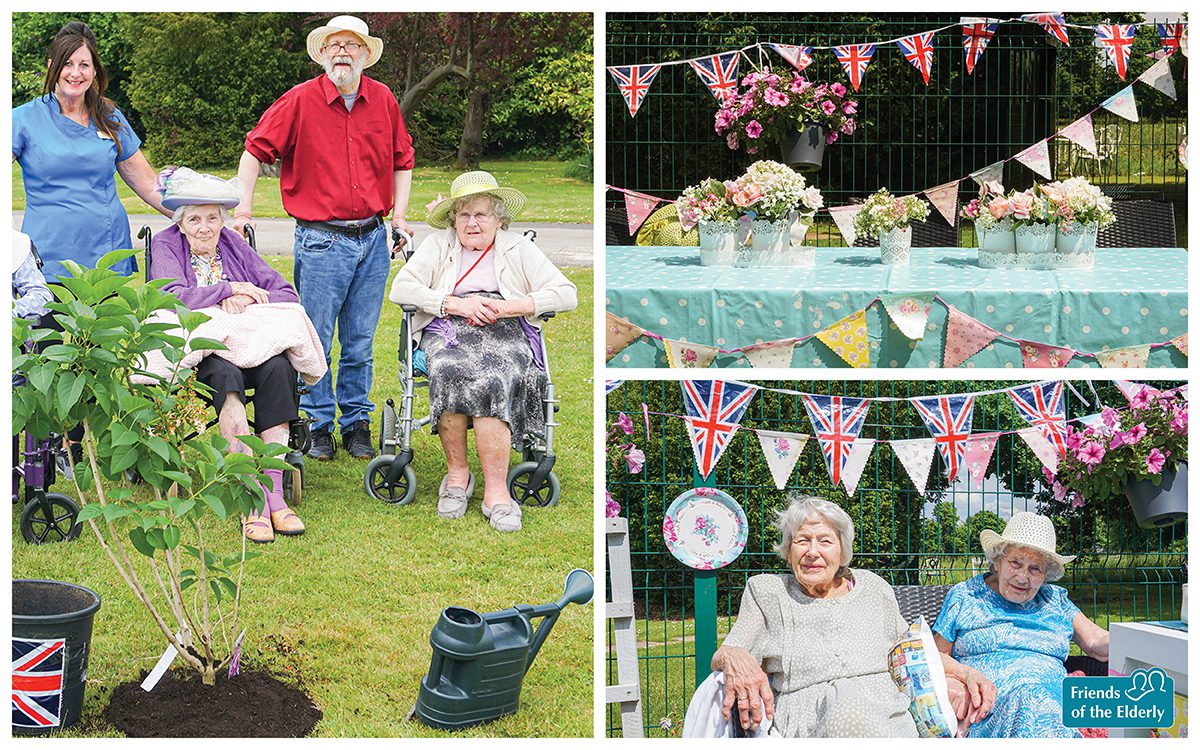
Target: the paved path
(565, 244)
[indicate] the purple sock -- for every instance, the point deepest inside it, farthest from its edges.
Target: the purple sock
(275, 499)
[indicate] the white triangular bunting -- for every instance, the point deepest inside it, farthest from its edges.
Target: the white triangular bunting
(945, 199)
(1083, 133)
(1123, 104)
(688, 355)
(770, 353)
(843, 216)
(1158, 75)
(990, 173)
(852, 471)
(1037, 158)
(916, 456)
(1041, 447)
(782, 450)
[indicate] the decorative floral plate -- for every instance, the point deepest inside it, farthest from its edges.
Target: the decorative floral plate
(705, 529)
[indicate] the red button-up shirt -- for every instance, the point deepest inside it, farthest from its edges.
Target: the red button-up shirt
(336, 164)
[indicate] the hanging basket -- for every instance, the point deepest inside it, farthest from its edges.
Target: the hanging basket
(1166, 504)
(804, 149)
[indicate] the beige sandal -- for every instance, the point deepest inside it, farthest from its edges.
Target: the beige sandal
(257, 529)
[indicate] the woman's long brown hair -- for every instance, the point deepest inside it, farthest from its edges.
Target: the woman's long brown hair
(100, 108)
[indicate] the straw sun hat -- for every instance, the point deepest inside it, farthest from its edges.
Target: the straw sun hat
(1027, 530)
(317, 37)
(471, 184)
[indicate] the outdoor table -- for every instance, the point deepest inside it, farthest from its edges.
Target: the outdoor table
(1140, 645)
(1132, 296)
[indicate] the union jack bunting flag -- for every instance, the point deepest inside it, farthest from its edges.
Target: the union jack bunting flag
(1042, 406)
(1116, 39)
(714, 409)
(1053, 23)
(976, 36)
(854, 59)
(836, 421)
(1171, 35)
(949, 421)
(719, 73)
(37, 682)
(634, 83)
(918, 50)
(799, 56)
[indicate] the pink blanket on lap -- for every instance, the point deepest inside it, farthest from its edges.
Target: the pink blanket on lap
(252, 337)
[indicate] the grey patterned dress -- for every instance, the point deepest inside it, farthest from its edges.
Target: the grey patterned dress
(485, 371)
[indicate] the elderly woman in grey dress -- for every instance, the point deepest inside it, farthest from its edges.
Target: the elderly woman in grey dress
(479, 289)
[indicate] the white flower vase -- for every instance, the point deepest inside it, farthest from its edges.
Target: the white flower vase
(895, 246)
(1079, 239)
(718, 243)
(769, 241)
(1036, 238)
(999, 238)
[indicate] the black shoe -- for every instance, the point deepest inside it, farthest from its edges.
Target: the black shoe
(322, 447)
(357, 440)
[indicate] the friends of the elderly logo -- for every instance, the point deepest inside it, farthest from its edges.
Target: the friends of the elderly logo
(1144, 699)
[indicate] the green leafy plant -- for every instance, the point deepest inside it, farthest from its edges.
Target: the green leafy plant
(151, 428)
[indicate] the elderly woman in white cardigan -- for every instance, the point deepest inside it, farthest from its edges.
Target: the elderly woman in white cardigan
(479, 289)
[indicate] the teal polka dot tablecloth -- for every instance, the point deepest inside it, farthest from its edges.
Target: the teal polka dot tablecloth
(1132, 296)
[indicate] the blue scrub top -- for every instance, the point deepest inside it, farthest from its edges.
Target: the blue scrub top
(71, 205)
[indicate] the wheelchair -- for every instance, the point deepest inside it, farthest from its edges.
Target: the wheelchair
(299, 437)
(390, 476)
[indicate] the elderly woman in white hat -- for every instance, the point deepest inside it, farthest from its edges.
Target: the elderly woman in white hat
(479, 289)
(210, 265)
(1015, 628)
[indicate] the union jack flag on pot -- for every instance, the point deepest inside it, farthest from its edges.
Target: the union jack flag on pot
(948, 419)
(918, 50)
(719, 73)
(37, 682)
(1116, 39)
(714, 409)
(1042, 406)
(634, 81)
(837, 422)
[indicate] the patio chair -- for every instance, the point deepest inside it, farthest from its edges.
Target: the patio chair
(1107, 138)
(616, 225)
(1140, 223)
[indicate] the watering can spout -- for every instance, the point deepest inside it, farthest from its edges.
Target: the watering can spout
(577, 589)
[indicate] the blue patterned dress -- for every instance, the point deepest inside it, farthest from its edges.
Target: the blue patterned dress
(1020, 648)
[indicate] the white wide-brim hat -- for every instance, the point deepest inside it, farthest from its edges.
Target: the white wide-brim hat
(317, 37)
(181, 186)
(1027, 530)
(471, 184)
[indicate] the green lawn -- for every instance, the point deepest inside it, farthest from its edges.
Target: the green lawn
(345, 610)
(552, 197)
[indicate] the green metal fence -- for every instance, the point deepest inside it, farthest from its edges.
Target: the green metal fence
(911, 136)
(1123, 573)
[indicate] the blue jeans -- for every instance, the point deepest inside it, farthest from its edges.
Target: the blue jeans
(341, 281)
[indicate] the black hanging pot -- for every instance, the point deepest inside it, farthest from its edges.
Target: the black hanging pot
(804, 149)
(1155, 507)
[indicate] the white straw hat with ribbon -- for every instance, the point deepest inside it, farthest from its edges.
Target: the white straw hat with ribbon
(471, 184)
(317, 37)
(1027, 530)
(180, 186)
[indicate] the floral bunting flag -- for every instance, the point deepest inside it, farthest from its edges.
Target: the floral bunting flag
(637, 208)
(719, 73)
(945, 199)
(1116, 39)
(948, 419)
(990, 173)
(714, 409)
(782, 450)
(909, 311)
(977, 32)
(965, 337)
(799, 56)
(1126, 356)
(1171, 34)
(860, 451)
(918, 50)
(1123, 104)
(684, 354)
(978, 456)
(770, 353)
(848, 339)
(618, 334)
(854, 59)
(1037, 158)
(1034, 354)
(1082, 133)
(837, 422)
(633, 81)
(916, 456)
(843, 216)
(1158, 75)
(1041, 447)
(1053, 23)
(1180, 343)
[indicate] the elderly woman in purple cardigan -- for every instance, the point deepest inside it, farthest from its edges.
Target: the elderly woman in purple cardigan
(212, 266)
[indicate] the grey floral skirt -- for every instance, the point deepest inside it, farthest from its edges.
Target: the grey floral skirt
(485, 371)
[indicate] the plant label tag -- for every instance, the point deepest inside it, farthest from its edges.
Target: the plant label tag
(160, 668)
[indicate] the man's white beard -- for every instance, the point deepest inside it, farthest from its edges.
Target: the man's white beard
(342, 77)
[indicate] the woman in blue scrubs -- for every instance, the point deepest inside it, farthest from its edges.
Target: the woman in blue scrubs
(68, 142)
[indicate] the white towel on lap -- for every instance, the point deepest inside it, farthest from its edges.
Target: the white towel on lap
(251, 337)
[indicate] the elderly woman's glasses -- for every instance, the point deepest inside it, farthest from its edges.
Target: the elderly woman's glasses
(351, 47)
(480, 218)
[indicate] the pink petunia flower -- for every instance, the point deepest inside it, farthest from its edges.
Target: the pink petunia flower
(850, 107)
(1155, 461)
(828, 107)
(1136, 433)
(612, 508)
(838, 90)
(775, 98)
(1141, 399)
(731, 141)
(1091, 453)
(1179, 422)
(625, 423)
(753, 129)
(1110, 416)
(635, 459)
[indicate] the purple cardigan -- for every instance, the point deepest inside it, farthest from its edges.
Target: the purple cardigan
(170, 258)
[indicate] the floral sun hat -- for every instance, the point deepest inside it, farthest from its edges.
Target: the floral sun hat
(180, 186)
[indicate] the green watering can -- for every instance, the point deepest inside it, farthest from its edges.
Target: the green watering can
(479, 661)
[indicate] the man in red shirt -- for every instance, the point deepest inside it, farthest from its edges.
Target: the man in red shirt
(347, 162)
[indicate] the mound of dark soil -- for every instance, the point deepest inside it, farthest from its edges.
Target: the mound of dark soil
(253, 704)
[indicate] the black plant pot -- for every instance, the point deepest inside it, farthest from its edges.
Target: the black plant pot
(804, 149)
(1155, 507)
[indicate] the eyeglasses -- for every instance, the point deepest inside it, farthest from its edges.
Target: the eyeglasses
(480, 218)
(351, 47)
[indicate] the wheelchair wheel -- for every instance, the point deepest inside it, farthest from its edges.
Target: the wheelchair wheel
(53, 520)
(402, 493)
(519, 479)
(388, 423)
(293, 481)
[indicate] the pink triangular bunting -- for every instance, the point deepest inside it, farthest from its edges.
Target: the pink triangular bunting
(637, 208)
(945, 199)
(1041, 447)
(965, 337)
(1034, 354)
(1037, 158)
(978, 456)
(1083, 133)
